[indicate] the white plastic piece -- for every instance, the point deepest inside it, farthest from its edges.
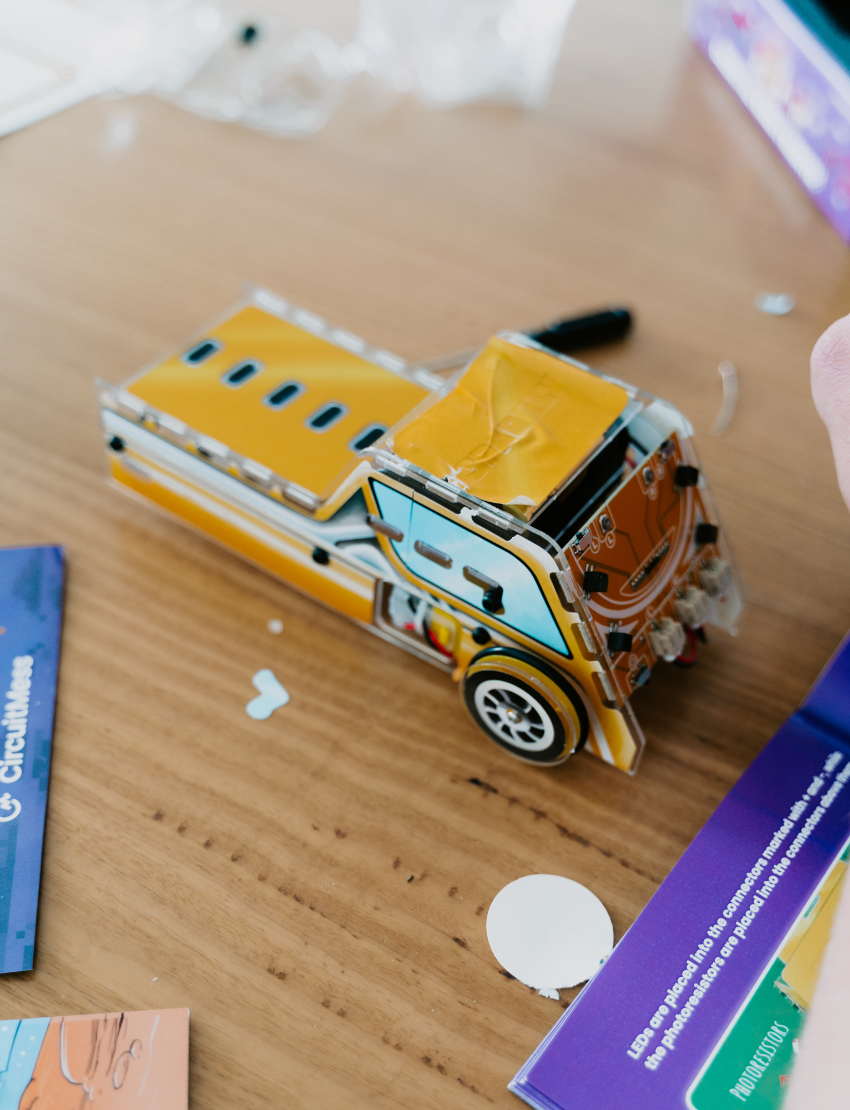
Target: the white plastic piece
(131, 404)
(586, 636)
(257, 472)
(775, 304)
(429, 380)
(389, 361)
(692, 607)
(549, 932)
(309, 320)
(714, 576)
(171, 425)
(608, 689)
(668, 639)
(729, 379)
(345, 339)
(212, 447)
(566, 587)
(271, 301)
(668, 419)
(300, 496)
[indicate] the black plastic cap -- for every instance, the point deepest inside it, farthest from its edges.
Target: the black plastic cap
(706, 533)
(493, 599)
(595, 582)
(480, 635)
(590, 330)
(686, 476)
(321, 556)
(619, 641)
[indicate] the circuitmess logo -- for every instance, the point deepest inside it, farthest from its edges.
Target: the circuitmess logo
(15, 715)
(8, 803)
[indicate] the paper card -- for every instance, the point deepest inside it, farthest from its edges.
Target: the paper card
(702, 1002)
(31, 580)
(129, 1061)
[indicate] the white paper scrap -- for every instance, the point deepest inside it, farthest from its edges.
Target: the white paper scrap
(272, 696)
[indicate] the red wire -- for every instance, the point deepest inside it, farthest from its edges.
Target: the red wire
(437, 644)
(687, 659)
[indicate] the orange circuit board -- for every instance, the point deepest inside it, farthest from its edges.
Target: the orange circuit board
(643, 540)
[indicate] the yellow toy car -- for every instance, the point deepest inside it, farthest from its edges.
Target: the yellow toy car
(538, 530)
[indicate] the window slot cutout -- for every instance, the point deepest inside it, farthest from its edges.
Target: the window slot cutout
(241, 373)
(284, 395)
(383, 528)
(327, 416)
(201, 352)
(371, 434)
(478, 579)
(428, 552)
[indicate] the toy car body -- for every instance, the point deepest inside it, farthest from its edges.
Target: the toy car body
(538, 530)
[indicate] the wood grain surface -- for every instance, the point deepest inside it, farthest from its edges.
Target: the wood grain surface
(315, 886)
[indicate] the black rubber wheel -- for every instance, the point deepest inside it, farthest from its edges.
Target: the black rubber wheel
(525, 706)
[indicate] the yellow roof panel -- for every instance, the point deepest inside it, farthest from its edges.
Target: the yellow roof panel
(517, 422)
(281, 439)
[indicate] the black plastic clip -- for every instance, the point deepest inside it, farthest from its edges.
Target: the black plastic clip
(686, 476)
(595, 582)
(619, 641)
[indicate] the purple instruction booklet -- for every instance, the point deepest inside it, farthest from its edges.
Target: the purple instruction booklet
(702, 1002)
(31, 580)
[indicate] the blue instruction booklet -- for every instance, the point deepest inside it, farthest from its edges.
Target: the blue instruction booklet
(31, 581)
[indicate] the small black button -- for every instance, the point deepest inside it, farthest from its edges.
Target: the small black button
(619, 641)
(706, 533)
(595, 582)
(686, 476)
(321, 556)
(480, 635)
(493, 599)
(117, 443)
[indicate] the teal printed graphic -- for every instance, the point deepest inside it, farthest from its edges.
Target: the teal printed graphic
(20, 1044)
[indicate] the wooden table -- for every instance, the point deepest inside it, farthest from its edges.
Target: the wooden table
(315, 886)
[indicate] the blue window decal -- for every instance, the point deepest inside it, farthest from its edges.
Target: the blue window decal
(525, 607)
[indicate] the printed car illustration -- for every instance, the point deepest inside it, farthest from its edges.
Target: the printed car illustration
(541, 532)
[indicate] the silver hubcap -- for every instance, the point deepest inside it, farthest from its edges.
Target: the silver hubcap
(514, 715)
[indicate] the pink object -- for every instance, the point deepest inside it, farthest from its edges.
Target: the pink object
(821, 1079)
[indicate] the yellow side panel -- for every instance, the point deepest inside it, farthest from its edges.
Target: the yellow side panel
(804, 959)
(280, 439)
(337, 586)
(515, 425)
